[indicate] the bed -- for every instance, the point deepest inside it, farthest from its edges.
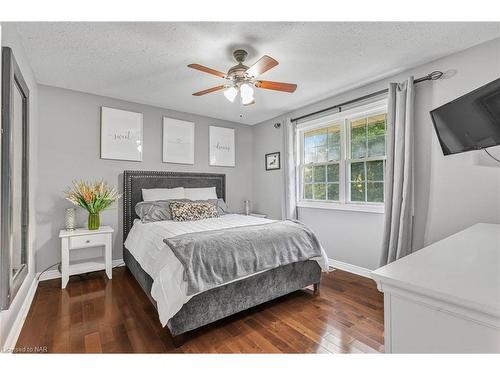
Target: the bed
(157, 275)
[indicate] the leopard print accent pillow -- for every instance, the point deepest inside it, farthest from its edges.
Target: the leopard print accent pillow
(189, 211)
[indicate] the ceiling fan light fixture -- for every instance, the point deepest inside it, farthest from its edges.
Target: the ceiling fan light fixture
(231, 93)
(246, 91)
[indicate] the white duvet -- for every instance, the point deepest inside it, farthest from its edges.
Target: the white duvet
(145, 243)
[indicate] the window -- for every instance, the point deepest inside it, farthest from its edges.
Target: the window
(342, 159)
(321, 163)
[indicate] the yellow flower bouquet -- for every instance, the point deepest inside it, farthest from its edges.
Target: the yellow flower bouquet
(94, 197)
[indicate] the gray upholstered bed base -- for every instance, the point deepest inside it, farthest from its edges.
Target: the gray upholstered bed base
(217, 303)
(229, 299)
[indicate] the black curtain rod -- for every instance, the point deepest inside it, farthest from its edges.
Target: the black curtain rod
(429, 77)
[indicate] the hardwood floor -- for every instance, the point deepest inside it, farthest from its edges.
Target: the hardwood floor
(94, 315)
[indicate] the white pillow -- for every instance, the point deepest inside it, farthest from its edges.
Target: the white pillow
(162, 194)
(200, 194)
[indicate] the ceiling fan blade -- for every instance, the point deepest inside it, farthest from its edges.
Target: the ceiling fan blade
(207, 70)
(278, 86)
(263, 65)
(208, 91)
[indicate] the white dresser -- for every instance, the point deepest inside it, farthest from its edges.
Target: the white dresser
(445, 298)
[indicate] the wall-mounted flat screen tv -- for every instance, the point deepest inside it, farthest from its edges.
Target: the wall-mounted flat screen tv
(471, 122)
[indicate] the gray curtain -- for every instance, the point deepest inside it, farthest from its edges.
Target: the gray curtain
(289, 210)
(398, 230)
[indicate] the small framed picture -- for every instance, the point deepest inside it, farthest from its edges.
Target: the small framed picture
(273, 161)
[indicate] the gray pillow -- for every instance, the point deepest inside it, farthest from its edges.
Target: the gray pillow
(150, 211)
(222, 207)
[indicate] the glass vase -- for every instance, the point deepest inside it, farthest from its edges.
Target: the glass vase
(94, 221)
(69, 219)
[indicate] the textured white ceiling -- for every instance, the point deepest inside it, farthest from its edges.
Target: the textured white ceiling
(146, 62)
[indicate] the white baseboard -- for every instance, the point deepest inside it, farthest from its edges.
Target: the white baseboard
(15, 330)
(361, 271)
(55, 274)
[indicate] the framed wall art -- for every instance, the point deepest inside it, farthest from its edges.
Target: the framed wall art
(273, 161)
(221, 145)
(178, 141)
(121, 134)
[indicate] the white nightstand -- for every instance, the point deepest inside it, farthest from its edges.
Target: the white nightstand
(80, 239)
(263, 216)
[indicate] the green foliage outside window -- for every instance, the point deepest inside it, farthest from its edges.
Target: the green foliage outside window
(368, 141)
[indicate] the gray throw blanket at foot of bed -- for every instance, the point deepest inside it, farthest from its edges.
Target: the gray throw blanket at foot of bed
(215, 257)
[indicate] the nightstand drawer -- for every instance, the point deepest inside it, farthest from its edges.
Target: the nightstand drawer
(89, 240)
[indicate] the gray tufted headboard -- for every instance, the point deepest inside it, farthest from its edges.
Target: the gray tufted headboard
(134, 181)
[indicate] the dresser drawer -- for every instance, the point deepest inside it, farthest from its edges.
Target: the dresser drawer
(90, 240)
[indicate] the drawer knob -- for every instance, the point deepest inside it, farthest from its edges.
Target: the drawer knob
(87, 241)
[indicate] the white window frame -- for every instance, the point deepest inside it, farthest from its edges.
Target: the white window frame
(343, 118)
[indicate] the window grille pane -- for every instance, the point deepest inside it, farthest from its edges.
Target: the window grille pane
(358, 181)
(376, 125)
(375, 191)
(333, 192)
(315, 146)
(334, 153)
(358, 138)
(376, 135)
(308, 148)
(321, 154)
(308, 191)
(358, 150)
(375, 170)
(319, 173)
(320, 191)
(320, 143)
(358, 172)
(334, 143)
(308, 174)
(358, 191)
(333, 173)
(376, 146)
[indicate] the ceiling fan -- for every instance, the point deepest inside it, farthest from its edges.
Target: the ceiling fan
(243, 78)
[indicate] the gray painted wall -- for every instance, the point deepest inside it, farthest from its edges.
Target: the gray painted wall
(69, 145)
(267, 185)
(452, 192)
(11, 39)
